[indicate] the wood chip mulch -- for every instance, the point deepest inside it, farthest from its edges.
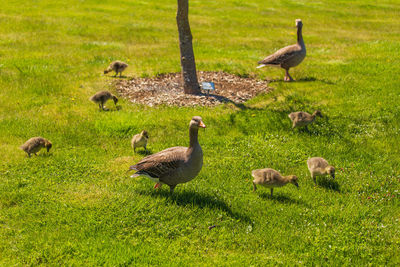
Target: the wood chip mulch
(167, 89)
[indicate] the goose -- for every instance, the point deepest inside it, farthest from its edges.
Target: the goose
(102, 97)
(140, 140)
(289, 56)
(174, 165)
(117, 66)
(320, 167)
(301, 118)
(271, 178)
(35, 144)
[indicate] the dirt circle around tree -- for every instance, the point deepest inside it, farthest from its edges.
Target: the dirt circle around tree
(167, 89)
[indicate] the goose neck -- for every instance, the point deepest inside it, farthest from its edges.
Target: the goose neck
(193, 133)
(300, 36)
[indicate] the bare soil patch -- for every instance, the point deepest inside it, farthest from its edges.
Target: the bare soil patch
(167, 89)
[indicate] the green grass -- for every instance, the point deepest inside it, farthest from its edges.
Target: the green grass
(77, 205)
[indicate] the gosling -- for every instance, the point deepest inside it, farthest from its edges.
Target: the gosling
(117, 66)
(140, 140)
(270, 178)
(102, 97)
(301, 118)
(35, 144)
(320, 167)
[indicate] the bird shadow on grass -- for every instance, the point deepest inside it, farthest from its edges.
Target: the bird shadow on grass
(201, 200)
(329, 184)
(144, 152)
(304, 79)
(282, 199)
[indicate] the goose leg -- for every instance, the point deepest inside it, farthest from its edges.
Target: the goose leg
(314, 179)
(171, 188)
(272, 191)
(288, 78)
(254, 187)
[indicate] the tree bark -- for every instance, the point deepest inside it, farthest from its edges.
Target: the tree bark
(188, 64)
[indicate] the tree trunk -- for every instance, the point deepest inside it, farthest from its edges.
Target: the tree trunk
(189, 75)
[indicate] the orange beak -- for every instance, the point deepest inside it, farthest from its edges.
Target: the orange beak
(202, 125)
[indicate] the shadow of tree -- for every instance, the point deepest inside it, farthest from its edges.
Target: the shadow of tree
(201, 200)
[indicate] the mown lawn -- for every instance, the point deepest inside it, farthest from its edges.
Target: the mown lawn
(77, 205)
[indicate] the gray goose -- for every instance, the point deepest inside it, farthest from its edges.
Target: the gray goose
(102, 97)
(289, 56)
(140, 140)
(117, 66)
(271, 178)
(301, 118)
(174, 165)
(35, 144)
(320, 167)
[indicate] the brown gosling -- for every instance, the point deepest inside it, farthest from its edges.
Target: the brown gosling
(320, 167)
(301, 118)
(117, 66)
(271, 178)
(35, 144)
(140, 140)
(102, 97)
(289, 56)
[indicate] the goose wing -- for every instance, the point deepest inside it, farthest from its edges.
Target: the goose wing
(280, 56)
(162, 163)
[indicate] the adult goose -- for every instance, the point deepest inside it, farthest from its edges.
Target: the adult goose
(289, 56)
(174, 165)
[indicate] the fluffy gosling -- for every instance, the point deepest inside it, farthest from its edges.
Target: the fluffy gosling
(140, 140)
(271, 178)
(35, 144)
(301, 118)
(320, 167)
(117, 66)
(102, 97)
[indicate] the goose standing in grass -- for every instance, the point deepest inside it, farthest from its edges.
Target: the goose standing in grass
(35, 144)
(289, 56)
(174, 165)
(140, 140)
(271, 178)
(117, 66)
(320, 167)
(102, 97)
(301, 118)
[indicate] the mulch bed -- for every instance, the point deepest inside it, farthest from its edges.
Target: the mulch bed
(167, 89)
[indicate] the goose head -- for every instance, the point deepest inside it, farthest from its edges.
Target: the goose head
(197, 122)
(317, 113)
(299, 23)
(145, 134)
(115, 99)
(48, 145)
(293, 179)
(331, 171)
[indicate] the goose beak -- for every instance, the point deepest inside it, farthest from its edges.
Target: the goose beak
(202, 125)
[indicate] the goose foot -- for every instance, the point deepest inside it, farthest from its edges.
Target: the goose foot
(157, 185)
